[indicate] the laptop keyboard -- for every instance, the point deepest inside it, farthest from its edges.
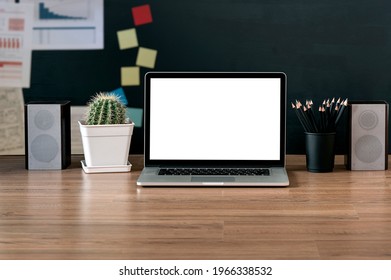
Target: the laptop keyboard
(215, 171)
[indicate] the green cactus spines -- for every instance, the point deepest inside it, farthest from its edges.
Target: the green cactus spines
(105, 108)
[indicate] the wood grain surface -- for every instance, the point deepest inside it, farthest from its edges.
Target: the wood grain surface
(68, 214)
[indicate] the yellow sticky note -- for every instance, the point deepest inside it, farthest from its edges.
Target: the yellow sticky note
(130, 76)
(146, 57)
(127, 38)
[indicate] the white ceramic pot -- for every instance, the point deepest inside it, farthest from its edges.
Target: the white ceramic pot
(106, 145)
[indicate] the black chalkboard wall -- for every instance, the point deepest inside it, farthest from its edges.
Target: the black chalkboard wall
(326, 47)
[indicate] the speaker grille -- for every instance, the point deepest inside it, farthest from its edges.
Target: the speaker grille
(368, 120)
(44, 120)
(44, 136)
(44, 148)
(368, 148)
(47, 132)
(368, 141)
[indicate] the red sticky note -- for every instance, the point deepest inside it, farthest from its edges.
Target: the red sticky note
(142, 14)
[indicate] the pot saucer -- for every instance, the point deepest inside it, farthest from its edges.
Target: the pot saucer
(105, 169)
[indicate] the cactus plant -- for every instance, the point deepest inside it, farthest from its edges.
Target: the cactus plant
(105, 108)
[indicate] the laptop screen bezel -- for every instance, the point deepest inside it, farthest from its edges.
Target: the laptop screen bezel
(214, 163)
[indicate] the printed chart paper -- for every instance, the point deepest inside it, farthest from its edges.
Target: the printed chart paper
(15, 44)
(67, 24)
(11, 121)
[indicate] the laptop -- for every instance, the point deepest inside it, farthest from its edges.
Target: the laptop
(214, 129)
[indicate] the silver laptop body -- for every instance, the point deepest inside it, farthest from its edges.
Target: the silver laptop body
(213, 128)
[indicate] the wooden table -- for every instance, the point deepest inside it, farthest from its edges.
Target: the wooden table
(69, 214)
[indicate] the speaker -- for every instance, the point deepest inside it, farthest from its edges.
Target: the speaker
(48, 135)
(367, 135)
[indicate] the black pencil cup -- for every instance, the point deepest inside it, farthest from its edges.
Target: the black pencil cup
(320, 151)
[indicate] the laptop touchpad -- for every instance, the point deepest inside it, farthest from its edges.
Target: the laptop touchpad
(212, 179)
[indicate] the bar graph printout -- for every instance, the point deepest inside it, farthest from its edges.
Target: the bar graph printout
(15, 44)
(67, 24)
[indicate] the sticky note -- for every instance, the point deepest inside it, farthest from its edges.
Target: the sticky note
(130, 76)
(127, 38)
(136, 115)
(142, 14)
(146, 57)
(121, 95)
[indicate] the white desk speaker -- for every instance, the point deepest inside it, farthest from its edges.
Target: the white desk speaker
(367, 135)
(48, 135)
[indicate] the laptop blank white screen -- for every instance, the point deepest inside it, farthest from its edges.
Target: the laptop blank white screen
(215, 119)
